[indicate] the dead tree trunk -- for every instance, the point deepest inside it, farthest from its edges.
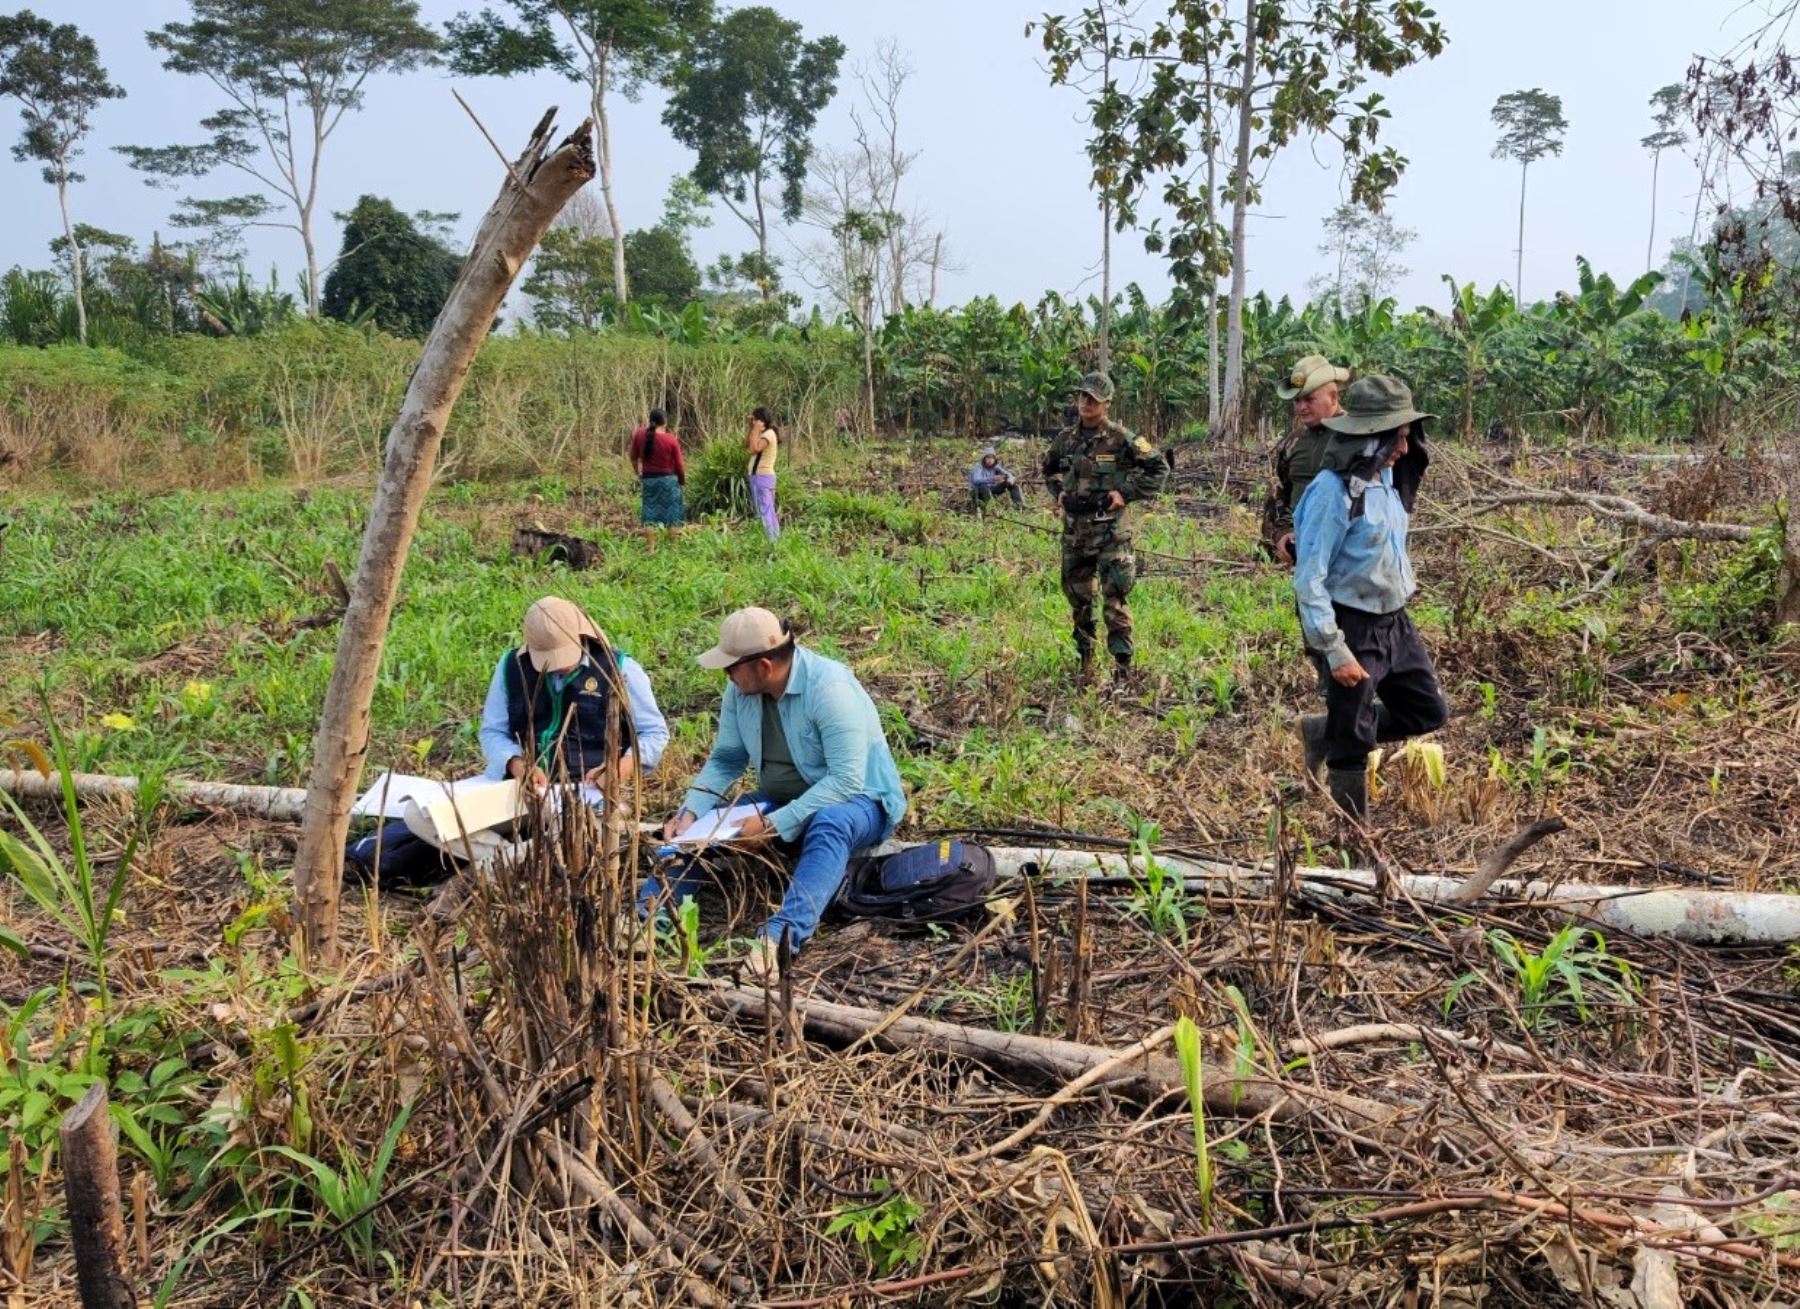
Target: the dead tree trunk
(90, 1160)
(1787, 583)
(537, 186)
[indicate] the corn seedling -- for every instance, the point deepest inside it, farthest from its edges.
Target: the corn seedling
(1559, 976)
(72, 891)
(1159, 897)
(1187, 1051)
(349, 1193)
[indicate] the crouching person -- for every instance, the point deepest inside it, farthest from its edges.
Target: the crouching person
(823, 769)
(557, 696)
(1353, 578)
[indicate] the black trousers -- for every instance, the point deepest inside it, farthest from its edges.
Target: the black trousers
(1399, 698)
(986, 495)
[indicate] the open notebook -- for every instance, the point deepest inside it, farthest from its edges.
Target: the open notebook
(446, 813)
(719, 825)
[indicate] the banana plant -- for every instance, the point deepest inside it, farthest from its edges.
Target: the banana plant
(1470, 331)
(1592, 329)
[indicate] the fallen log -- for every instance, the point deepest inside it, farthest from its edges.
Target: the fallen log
(278, 804)
(1048, 1061)
(552, 547)
(1697, 917)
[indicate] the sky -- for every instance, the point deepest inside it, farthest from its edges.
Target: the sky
(1001, 166)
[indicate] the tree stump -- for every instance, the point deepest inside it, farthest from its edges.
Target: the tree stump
(90, 1159)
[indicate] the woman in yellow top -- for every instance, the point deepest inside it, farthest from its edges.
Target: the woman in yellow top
(765, 445)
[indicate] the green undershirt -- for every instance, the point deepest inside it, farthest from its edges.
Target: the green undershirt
(776, 776)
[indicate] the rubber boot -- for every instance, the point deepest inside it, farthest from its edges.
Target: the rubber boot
(1350, 790)
(1121, 671)
(1312, 741)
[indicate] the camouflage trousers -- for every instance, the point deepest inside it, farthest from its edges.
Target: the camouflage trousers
(1108, 567)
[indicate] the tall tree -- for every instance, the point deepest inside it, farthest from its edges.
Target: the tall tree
(1531, 126)
(1666, 108)
(389, 269)
(745, 103)
(1365, 249)
(289, 71)
(598, 43)
(54, 72)
(1284, 69)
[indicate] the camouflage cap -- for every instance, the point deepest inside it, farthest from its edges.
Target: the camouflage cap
(1377, 403)
(1308, 375)
(1098, 385)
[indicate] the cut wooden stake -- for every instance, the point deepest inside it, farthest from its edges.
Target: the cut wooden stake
(90, 1160)
(533, 194)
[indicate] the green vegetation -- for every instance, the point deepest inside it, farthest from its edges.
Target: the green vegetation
(886, 1228)
(1561, 976)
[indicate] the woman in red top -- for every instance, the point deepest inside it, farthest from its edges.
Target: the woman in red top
(661, 472)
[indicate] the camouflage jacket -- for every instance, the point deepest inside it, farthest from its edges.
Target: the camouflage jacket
(1293, 464)
(1083, 463)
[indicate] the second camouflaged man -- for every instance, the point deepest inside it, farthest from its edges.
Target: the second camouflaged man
(1095, 468)
(1312, 386)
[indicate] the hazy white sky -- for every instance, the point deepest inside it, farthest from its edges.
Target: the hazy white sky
(1001, 164)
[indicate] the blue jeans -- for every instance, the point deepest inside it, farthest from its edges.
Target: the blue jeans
(827, 842)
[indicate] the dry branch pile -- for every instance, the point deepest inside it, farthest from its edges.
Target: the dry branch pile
(619, 1125)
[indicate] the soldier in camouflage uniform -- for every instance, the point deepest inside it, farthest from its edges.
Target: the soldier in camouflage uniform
(1095, 468)
(1313, 387)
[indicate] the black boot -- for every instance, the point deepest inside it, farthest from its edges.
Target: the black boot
(1312, 741)
(1350, 790)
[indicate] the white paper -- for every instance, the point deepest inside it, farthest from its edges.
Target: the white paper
(719, 825)
(388, 796)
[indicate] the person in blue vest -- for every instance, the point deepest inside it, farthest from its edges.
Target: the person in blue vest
(824, 774)
(557, 699)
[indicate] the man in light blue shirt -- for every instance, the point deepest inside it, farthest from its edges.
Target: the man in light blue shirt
(825, 777)
(1353, 578)
(551, 696)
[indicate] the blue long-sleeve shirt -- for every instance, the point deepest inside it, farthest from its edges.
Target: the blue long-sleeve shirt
(833, 732)
(1360, 563)
(499, 747)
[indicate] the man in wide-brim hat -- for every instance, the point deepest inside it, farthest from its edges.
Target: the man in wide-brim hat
(1312, 385)
(1353, 577)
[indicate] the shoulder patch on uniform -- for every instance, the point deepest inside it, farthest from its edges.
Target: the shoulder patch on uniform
(1143, 446)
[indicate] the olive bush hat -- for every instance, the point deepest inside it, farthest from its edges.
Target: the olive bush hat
(1309, 374)
(1375, 404)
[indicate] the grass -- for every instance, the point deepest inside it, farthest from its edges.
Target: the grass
(170, 629)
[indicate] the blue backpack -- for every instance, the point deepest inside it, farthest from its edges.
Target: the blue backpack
(942, 882)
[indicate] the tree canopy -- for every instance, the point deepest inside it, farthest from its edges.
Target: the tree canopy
(389, 270)
(289, 70)
(746, 102)
(54, 72)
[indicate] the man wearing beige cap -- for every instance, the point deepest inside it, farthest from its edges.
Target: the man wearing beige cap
(824, 773)
(555, 698)
(1312, 384)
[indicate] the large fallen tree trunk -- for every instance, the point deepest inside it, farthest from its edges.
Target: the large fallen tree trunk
(1699, 917)
(279, 804)
(1695, 916)
(537, 186)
